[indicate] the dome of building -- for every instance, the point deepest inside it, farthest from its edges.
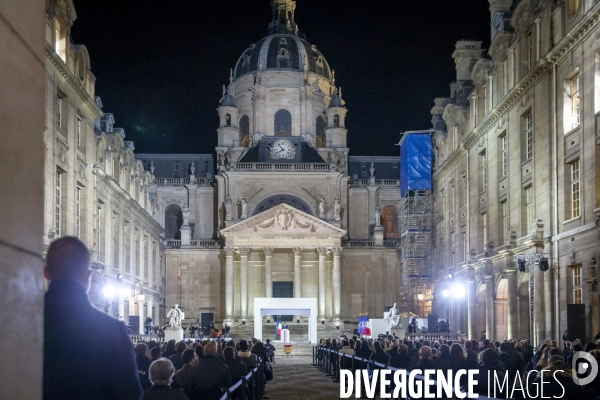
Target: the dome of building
(282, 52)
(285, 48)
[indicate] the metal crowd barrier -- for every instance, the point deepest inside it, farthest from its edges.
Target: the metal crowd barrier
(253, 382)
(330, 362)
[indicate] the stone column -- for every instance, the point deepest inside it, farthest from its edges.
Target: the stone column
(512, 312)
(336, 280)
(228, 282)
(268, 271)
(322, 280)
(549, 302)
(490, 324)
(472, 304)
(540, 318)
(268, 275)
(297, 275)
(244, 254)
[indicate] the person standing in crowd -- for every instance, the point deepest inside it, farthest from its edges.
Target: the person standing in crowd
(143, 363)
(161, 374)
(270, 350)
(182, 377)
(74, 369)
(210, 376)
(237, 369)
(176, 358)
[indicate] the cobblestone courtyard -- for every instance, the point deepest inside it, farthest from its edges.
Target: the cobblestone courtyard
(296, 379)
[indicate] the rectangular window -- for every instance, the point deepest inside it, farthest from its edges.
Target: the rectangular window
(529, 208)
(577, 292)
(116, 241)
(575, 102)
(484, 227)
(60, 40)
(483, 171)
(528, 136)
(78, 212)
(575, 209)
(146, 257)
(503, 223)
(451, 195)
(58, 203)
(529, 50)
(136, 249)
(78, 130)
(504, 156)
(127, 247)
(59, 109)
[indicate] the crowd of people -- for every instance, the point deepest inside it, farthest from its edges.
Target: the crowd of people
(528, 368)
(200, 369)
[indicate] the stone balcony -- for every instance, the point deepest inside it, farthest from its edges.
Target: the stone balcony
(182, 181)
(369, 243)
(194, 244)
(378, 182)
(312, 167)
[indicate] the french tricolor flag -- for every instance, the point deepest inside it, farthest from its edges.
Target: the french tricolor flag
(278, 327)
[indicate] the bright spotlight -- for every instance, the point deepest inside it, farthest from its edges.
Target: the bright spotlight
(458, 290)
(450, 275)
(120, 277)
(123, 292)
(109, 291)
(420, 296)
(445, 293)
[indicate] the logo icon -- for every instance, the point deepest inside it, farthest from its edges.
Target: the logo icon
(589, 363)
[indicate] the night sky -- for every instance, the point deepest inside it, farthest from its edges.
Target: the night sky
(160, 65)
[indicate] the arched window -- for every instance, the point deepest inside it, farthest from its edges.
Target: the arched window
(173, 222)
(336, 120)
(227, 120)
(273, 201)
(320, 132)
(389, 221)
(283, 123)
(244, 131)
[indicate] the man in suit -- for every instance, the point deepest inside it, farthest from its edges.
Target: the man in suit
(402, 360)
(74, 369)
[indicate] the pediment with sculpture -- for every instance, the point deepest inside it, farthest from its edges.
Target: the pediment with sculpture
(282, 226)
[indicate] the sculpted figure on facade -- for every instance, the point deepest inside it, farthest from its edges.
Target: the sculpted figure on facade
(335, 158)
(185, 211)
(192, 168)
(152, 168)
(322, 206)
(244, 206)
(377, 216)
(337, 208)
(372, 177)
(228, 206)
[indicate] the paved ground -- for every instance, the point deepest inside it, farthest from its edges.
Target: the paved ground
(296, 379)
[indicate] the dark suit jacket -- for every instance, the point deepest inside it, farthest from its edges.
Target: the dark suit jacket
(237, 369)
(402, 362)
(208, 378)
(87, 354)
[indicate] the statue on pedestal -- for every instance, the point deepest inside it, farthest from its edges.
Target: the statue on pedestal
(377, 216)
(244, 206)
(372, 177)
(186, 214)
(393, 317)
(192, 168)
(322, 206)
(175, 316)
(228, 205)
(337, 208)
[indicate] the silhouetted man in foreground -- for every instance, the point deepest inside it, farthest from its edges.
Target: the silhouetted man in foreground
(87, 354)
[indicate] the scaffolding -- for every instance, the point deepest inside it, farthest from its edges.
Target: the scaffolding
(416, 221)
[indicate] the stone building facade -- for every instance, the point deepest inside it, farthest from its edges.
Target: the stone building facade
(287, 213)
(95, 188)
(517, 167)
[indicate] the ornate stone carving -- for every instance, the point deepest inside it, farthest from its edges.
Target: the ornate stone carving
(298, 251)
(322, 252)
(268, 251)
(186, 214)
(244, 251)
(377, 216)
(228, 208)
(337, 251)
(229, 251)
